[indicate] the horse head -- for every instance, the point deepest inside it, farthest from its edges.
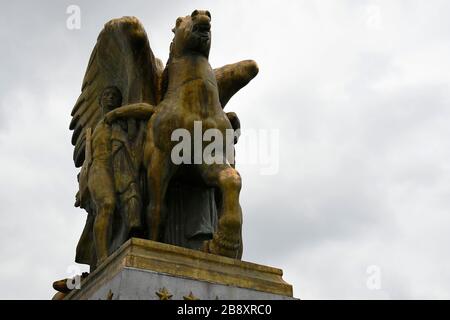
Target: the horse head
(192, 34)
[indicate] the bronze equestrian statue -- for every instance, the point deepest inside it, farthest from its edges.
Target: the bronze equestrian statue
(143, 183)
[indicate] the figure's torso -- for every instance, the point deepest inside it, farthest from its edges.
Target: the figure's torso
(101, 142)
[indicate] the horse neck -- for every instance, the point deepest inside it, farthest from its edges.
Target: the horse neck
(186, 68)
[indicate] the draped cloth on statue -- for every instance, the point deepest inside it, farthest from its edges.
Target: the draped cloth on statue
(126, 178)
(191, 215)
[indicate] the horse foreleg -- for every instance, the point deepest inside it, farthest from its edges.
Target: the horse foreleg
(159, 173)
(227, 241)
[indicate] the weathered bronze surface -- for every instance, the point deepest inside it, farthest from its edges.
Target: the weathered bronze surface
(129, 106)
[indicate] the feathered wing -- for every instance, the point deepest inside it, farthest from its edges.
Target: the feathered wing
(122, 57)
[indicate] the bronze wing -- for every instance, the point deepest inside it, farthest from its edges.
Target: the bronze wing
(122, 57)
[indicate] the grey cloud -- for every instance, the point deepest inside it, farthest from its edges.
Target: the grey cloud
(363, 123)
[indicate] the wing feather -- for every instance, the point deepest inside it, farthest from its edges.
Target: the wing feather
(122, 57)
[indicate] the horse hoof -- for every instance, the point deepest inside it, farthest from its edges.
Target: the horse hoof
(222, 248)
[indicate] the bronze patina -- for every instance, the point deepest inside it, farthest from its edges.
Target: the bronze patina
(129, 106)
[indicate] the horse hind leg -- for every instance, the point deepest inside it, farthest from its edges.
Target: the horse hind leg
(227, 240)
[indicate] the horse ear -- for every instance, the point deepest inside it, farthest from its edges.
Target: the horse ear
(177, 23)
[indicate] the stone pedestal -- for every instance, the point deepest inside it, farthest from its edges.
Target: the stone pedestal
(148, 270)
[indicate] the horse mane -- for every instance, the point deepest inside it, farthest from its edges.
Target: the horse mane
(165, 75)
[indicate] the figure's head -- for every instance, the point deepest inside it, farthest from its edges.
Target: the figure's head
(110, 99)
(192, 34)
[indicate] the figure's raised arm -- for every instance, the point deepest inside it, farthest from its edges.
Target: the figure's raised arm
(233, 77)
(142, 111)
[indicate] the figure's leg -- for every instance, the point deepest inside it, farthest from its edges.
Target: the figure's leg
(227, 241)
(159, 173)
(102, 191)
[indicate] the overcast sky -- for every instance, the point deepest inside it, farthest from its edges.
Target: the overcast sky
(359, 91)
